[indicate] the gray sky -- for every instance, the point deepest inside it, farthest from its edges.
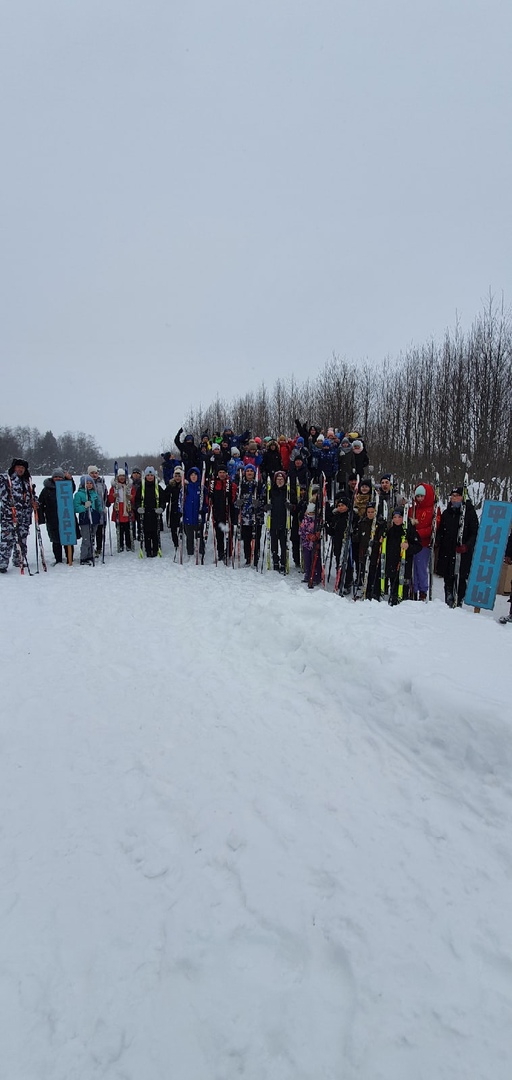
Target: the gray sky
(204, 194)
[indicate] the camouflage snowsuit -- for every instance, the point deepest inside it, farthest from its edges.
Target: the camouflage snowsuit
(22, 498)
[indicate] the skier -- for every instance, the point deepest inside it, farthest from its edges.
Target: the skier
(193, 511)
(309, 530)
(48, 514)
(279, 512)
(86, 504)
(190, 453)
(362, 533)
(400, 543)
(421, 515)
(119, 497)
(16, 504)
(102, 492)
(149, 505)
(339, 526)
(173, 498)
(449, 547)
(249, 502)
(222, 508)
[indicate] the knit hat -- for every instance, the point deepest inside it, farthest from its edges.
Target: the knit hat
(235, 451)
(343, 497)
(136, 470)
(327, 442)
(365, 482)
(457, 491)
(91, 469)
(282, 438)
(330, 433)
(149, 471)
(121, 472)
(18, 461)
(257, 440)
(357, 444)
(279, 472)
(320, 438)
(398, 511)
(299, 441)
(310, 509)
(216, 448)
(85, 478)
(385, 476)
(420, 490)
(58, 472)
(178, 469)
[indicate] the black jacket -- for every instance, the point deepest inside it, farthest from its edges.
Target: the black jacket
(447, 535)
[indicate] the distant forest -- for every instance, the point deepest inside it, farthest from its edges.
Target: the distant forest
(73, 450)
(443, 405)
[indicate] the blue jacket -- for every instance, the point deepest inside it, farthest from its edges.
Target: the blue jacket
(192, 508)
(79, 499)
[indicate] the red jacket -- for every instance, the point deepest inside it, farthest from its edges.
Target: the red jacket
(423, 512)
(285, 450)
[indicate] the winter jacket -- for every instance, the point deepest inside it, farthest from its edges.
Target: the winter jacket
(271, 460)
(190, 453)
(278, 507)
(448, 534)
(79, 499)
(193, 503)
(424, 512)
(119, 497)
(394, 539)
(18, 490)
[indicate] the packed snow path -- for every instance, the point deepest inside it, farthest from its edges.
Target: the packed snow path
(251, 831)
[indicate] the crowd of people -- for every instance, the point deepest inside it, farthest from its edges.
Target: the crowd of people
(310, 501)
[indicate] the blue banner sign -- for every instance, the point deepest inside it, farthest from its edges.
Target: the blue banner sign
(67, 529)
(488, 554)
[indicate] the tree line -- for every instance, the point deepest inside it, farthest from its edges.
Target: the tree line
(444, 405)
(73, 451)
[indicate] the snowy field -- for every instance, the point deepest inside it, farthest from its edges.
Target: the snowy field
(251, 831)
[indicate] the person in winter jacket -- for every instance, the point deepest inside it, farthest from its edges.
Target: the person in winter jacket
(449, 547)
(249, 503)
(119, 497)
(271, 460)
(360, 459)
(136, 479)
(400, 544)
(310, 534)
(48, 514)
(285, 448)
(299, 485)
(86, 504)
(308, 432)
(421, 514)
(169, 463)
(235, 465)
(102, 492)
(363, 537)
(279, 518)
(221, 501)
(339, 521)
(173, 499)
(252, 455)
(16, 504)
(190, 453)
(149, 505)
(193, 511)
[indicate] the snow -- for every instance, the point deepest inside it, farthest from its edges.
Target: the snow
(250, 830)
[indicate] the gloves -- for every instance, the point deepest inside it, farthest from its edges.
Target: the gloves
(461, 549)
(158, 510)
(140, 510)
(87, 503)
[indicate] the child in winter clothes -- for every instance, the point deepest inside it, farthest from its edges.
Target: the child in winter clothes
(309, 530)
(119, 497)
(86, 503)
(193, 511)
(398, 542)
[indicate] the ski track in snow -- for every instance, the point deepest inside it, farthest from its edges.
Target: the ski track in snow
(251, 831)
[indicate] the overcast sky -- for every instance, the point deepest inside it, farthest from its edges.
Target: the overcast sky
(198, 195)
